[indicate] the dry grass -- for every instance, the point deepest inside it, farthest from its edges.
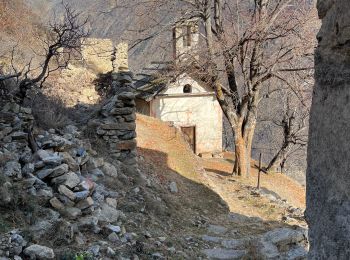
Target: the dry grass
(50, 112)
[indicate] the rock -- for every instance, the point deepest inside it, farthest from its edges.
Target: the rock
(122, 111)
(28, 169)
(328, 204)
(81, 152)
(94, 250)
(96, 173)
(207, 238)
(12, 169)
(110, 252)
(39, 252)
(81, 195)
(126, 96)
(16, 243)
(69, 179)
(131, 126)
(4, 132)
(216, 229)
(19, 135)
(87, 185)
(94, 163)
(126, 145)
(112, 202)
(59, 170)
(157, 256)
(71, 129)
(5, 196)
(44, 225)
(68, 159)
(72, 180)
(233, 243)
(108, 214)
(115, 229)
(80, 239)
(72, 212)
(45, 193)
(110, 170)
(284, 236)
(56, 203)
(44, 173)
(222, 254)
(113, 237)
(173, 187)
(85, 203)
(48, 158)
(66, 192)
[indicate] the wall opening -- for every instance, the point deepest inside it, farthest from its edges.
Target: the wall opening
(187, 88)
(189, 133)
(187, 35)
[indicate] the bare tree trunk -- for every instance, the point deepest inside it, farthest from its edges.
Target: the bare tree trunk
(275, 161)
(241, 162)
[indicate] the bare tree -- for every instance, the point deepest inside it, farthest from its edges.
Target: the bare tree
(61, 42)
(294, 125)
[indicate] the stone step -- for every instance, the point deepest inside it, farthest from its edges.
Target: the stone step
(222, 253)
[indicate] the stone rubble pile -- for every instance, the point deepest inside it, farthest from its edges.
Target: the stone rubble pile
(64, 172)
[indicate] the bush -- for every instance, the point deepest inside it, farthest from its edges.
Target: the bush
(50, 112)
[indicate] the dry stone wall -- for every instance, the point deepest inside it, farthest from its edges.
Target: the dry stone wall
(328, 176)
(117, 127)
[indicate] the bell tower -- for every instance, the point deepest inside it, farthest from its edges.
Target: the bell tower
(185, 40)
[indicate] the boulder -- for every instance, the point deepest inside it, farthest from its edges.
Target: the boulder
(110, 170)
(39, 252)
(12, 169)
(108, 214)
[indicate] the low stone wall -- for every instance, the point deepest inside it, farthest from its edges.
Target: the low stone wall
(14, 124)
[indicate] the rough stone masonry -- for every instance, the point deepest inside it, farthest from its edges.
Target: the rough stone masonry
(117, 124)
(328, 174)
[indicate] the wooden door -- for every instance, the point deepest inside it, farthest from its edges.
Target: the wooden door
(189, 133)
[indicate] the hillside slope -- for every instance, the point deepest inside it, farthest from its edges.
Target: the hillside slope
(165, 147)
(242, 214)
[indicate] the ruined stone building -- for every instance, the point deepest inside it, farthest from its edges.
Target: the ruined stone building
(97, 54)
(186, 101)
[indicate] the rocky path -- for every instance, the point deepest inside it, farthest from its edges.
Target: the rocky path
(280, 243)
(262, 225)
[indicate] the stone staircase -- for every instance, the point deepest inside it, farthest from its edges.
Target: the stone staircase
(288, 243)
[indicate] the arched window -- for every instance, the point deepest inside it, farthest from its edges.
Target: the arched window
(187, 88)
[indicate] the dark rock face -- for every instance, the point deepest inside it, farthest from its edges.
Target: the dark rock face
(328, 174)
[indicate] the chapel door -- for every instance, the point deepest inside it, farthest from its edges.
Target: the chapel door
(189, 133)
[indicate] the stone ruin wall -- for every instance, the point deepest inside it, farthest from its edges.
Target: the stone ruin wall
(98, 53)
(328, 178)
(116, 123)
